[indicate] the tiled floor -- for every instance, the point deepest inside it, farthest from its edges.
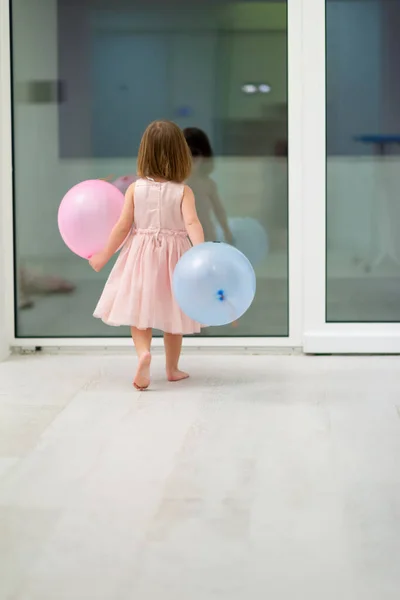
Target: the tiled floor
(260, 477)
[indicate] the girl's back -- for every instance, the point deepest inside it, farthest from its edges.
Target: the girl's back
(158, 206)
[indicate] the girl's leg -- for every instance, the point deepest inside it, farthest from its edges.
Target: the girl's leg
(173, 346)
(142, 340)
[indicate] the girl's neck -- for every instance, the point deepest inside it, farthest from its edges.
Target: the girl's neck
(156, 179)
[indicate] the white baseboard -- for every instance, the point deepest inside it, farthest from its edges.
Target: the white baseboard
(347, 342)
(257, 344)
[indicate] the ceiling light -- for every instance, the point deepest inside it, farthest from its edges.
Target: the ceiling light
(249, 88)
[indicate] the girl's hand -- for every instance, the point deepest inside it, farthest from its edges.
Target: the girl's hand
(98, 261)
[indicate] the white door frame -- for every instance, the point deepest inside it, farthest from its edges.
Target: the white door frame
(297, 69)
(321, 337)
(6, 209)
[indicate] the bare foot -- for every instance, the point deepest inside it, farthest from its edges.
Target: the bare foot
(177, 375)
(142, 377)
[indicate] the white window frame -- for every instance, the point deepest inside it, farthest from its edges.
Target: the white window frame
(296, 73)
(321, 337)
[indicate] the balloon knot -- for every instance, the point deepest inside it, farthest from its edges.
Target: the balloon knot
(221, 295)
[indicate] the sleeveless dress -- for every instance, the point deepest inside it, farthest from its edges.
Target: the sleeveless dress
(139, 289)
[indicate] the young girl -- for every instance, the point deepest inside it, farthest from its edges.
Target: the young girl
(205, 188)
(160, 214)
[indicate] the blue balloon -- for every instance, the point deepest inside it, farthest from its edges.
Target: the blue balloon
(249, 236)
(214, 283)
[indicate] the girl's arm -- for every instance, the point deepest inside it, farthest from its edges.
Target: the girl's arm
(193, 226)
(118, 234)
(219, 212)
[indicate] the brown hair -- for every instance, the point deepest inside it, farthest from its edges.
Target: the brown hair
(164, 153)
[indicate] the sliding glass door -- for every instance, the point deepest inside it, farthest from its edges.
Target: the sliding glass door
(89, 75)
(352, 147)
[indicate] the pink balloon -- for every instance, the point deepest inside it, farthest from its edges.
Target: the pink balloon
(87, 215)
(122, 183)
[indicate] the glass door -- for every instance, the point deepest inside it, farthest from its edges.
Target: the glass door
(352, 146)
(87, 78)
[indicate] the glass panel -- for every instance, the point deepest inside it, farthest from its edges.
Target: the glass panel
(88, 76)
(363, 159)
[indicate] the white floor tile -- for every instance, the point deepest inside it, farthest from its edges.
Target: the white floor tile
(23, 533)
(6, 464)
(52, 475)
(259, 477)
(88, 556)
(21, 427)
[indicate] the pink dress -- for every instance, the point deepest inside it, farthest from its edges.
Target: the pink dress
(139, 290)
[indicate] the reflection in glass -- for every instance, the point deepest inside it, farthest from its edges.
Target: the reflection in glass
(88, 76)
(363, 148)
